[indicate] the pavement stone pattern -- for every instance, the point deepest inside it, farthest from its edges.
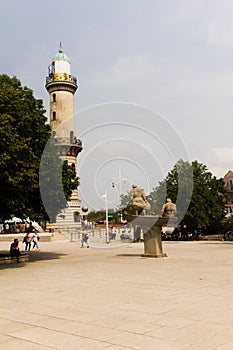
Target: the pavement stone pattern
(113, 299)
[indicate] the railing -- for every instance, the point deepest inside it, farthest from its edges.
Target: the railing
(69, 78)
(97, 235)
(67, 140)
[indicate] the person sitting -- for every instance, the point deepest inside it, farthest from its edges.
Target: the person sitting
(14, 250)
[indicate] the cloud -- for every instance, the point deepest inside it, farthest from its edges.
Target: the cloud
(220, 31)
(221, 160)
(125, 71)
(223, 155)
(174, 57)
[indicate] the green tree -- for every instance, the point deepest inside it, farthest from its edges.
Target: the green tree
(125, 203)
(177, 185)
(100, 215)
(207, 207)
(199, 196)
(50, 181)
(24, 133)
(57, 180)
(70, 181)
(97, 215)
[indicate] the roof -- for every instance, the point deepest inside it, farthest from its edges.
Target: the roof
(61, 56)
(228, 175)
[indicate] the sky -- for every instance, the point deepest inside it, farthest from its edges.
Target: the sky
(155, 83)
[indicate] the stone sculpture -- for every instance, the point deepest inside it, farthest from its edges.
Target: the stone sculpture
(138, 200)
(168, 209)
(151, 224)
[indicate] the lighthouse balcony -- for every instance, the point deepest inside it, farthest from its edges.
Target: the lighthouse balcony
(67, 146)
(61, 84)
(61, 77)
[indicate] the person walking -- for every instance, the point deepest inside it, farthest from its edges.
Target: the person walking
(85, 239)
(35, 240)
(110, 233)
(114, 233)
(27, 240)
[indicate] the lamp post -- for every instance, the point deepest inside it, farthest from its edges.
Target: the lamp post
(118, 181)
(106, 205)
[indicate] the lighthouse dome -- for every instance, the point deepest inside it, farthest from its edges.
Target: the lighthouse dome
(61, 56)
(61, 65)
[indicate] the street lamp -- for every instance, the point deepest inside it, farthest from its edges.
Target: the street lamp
(118, 181)
(105, 196)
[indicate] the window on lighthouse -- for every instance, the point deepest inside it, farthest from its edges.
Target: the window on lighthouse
(71, 137)
(54, 116)
(54, 97)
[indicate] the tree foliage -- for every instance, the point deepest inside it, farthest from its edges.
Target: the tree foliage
(125, 203)
(70, 181)
(177, 186)
(207, 207)
(57, 180)
(97, 215)
(100, 215)
(199, 196)
(24, 133)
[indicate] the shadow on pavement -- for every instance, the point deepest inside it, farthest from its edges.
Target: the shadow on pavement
(33, 256)
(128, 254)
(40, 255)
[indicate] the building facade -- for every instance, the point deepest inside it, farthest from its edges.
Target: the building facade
(228, 180)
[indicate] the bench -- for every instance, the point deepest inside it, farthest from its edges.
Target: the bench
(5, 258)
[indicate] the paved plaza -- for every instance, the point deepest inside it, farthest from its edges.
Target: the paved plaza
(113, 299)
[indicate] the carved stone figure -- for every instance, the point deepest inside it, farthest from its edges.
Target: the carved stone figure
(138, 200)
(168, 209)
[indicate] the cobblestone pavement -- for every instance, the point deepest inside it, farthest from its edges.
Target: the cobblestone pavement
(114, 299)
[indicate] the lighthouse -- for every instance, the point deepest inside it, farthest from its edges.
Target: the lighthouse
(62, 86)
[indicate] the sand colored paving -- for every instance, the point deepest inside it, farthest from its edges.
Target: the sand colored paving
(113, 299)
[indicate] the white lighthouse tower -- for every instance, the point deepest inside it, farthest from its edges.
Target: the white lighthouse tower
(62, 86)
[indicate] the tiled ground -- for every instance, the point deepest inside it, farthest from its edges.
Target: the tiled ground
(113, 299)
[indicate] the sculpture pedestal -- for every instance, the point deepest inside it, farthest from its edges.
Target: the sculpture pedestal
(153, 243)
(152, 225)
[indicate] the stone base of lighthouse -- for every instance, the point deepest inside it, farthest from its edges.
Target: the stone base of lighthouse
(69, 220)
